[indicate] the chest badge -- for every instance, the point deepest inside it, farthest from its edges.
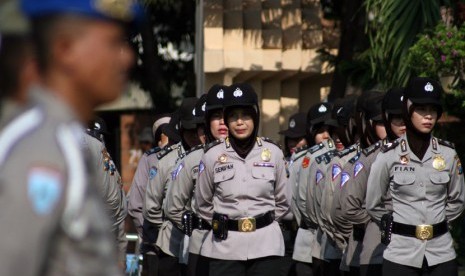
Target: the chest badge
(439, 163)
(266, 155)
(222, 158)
(404, 159)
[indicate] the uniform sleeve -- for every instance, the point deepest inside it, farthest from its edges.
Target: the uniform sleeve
(306, 196)
(178, 195)
(115, 199)
(137, 193)
(377, 187)
(205, 189)
(352, 198)
(456, 194)
(342, 226)
(153, 202)
(280, 190)
(293, 184)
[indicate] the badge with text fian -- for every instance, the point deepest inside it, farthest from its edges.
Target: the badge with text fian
(266, 155)
(439, 163)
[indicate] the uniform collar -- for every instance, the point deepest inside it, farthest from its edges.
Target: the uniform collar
(404, 149)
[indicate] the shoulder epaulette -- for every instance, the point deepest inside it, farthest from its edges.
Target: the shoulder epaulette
(327, 157)
(355, 158)
(316, 147)
(300, 149)
(153, 150)
(371, 148)
(194, 149)
(348, 150)
(266, 139)
(212, 144)
(163, 152)
(389, 146)
(94, 134)
(446, 143)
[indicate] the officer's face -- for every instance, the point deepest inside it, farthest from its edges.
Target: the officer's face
(217, 127)
(424, 118)
(163, 140)
(322, 134)
(99, 61)
(293, 143)
(380, 130)
(240, 123)
(398, 125)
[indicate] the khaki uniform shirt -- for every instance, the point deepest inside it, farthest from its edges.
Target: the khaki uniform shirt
(426, 191)
(180, 196)
(146, 170)
(53, 219)
(157, 186)
(295, 164)
(243, 187)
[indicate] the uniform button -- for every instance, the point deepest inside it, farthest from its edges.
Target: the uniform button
(421, 184)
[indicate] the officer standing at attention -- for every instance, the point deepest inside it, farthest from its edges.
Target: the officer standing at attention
(180, 202)
(53, 218)
(318, 134)
(154, 223)
(369, 257)
(241, 190)
(296, 147)
(424, 176)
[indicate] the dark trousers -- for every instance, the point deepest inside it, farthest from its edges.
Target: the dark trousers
(373, 269)
(169, 265)
(355, 271)
(267, 266)
(448, 268)
(318, 267)
(197, 265)
(150, 265)
(303, 269)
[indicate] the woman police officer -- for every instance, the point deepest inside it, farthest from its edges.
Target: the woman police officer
(241, 190)
(424, 177)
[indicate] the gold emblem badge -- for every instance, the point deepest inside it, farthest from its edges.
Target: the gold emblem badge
(247, 225)
(439, 163)
(118, 9)
(404, 159)
(222, 158)
(266, 155)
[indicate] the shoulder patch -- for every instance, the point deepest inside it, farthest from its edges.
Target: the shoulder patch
(153, 150)
(162, 153)
(196, 148)
(301, 149)
(212, 144)
(371, 148)
(389, 146)
(344, 179)
(152, 172)
(318, 176)
(446, 143)
(336, 170)
(44, 189)
(358, 168)
(266, 139)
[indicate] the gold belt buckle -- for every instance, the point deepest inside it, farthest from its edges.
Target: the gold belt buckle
(424, 232)
(247, 225)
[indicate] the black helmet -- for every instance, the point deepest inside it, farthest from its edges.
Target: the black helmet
(296, 126)
(392, 105)
(421, 91)
(240, 94)
(372, 114)
(317, 116)
(215, 97)
(199, 110)
(186, 113)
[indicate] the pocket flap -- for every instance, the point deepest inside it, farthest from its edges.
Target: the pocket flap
(266, 173)
(404, 178)
(439, 178)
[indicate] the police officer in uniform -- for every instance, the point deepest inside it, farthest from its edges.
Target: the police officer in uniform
(295, 149)
(158, 229)
(146, 170)
(180, 202)
(241, 190)
(424, 176)
(354, 187)
(53, 218)
(319, 122)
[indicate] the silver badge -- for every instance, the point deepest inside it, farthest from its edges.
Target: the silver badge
(429, 87)
(193, 111)
(203, 106)
(322, 109)
(237, 92)
(339, 110)
(292, 123)
(220, 94)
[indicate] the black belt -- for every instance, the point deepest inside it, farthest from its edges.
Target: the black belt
(202, 224)
(422, 232)
(250, 224)
(308, 225)
(288, 225)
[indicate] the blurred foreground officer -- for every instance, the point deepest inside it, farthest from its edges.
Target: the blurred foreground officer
(241, 190)
(53, 218)
(424, 176)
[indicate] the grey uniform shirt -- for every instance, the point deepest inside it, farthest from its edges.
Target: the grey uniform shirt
(305, 237)
(295, 164)
(146, 170)
(180, 196)
(426, 191)
(53, 220)
(157, 186)
(239, 188)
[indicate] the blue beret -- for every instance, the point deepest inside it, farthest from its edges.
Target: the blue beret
(128, 11)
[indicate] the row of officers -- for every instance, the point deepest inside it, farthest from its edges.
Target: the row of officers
(362, 188)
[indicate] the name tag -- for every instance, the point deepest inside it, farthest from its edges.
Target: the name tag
(263, 164)
(404, 169)
(224, 168)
